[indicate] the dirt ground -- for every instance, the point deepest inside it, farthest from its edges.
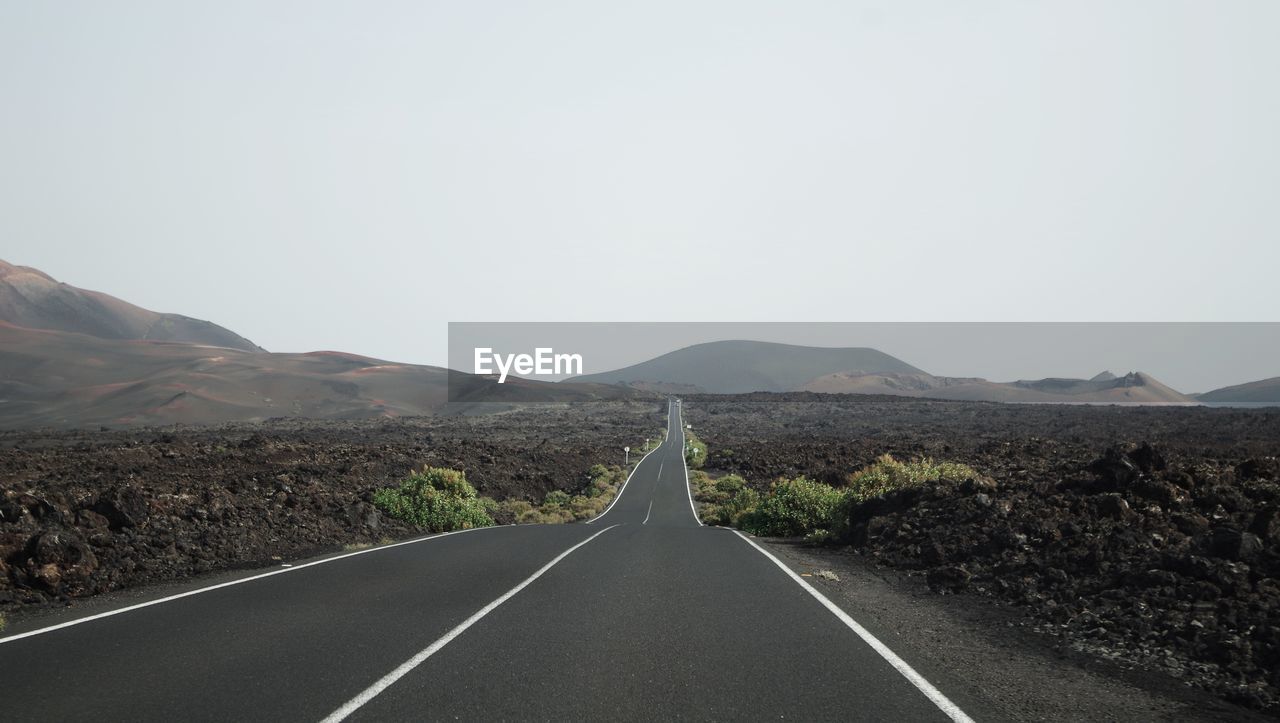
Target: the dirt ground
(987, 656)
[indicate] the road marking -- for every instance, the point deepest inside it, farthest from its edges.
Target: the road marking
(387, 680)
(944, 704)
(633, 473)
(688, 490)
(646, 515)
(229, 583)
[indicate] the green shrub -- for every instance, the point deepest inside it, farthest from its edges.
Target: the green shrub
(556, 498)
(603, 487)
(534, 516)
(437, 499)
(887, 474)
(584, 508)
(559, 506)
(730, 484)
(724, 500)
(704, 488)
(792, 508)
(516, 508)
(731, 511)
(599, 486)
(551, 515)
(695, 451)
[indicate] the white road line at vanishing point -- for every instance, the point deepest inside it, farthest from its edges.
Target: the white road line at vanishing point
(279, 571)
(387, 680)
(683, 463)
(646, 515)
(628, 480)
(944, 703)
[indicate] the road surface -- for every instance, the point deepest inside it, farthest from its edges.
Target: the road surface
(642, 613)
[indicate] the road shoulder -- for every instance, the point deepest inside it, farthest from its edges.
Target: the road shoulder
(978, 650)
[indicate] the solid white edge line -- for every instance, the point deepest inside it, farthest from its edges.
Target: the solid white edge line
(688, 490)
(389, 679)
(944, 703)
(229, 583)
(633, 472)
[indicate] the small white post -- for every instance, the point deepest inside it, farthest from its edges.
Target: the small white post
(626, 456)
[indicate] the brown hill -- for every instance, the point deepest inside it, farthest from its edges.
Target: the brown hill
(62, 379)
(32, 299)
(1135, 387)
(742, 366)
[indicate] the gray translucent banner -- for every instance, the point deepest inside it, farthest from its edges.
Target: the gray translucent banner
(1147, 363)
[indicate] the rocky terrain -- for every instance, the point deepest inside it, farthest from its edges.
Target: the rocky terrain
(1146, 536)
(88, 512)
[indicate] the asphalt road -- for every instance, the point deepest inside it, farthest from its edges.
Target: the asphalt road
(642, 613)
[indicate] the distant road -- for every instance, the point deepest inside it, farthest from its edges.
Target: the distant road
(642, 613)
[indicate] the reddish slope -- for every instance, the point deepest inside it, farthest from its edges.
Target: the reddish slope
(60, 379)
(31, 298)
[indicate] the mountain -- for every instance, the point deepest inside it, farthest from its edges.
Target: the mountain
(734, 367)
(31, 298)
(73, 358)
(1264, 390)
(66, 379)
(1135, 387)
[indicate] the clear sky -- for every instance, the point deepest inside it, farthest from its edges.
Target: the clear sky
(324, 175)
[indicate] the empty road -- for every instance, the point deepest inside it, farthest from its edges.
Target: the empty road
(642, 613)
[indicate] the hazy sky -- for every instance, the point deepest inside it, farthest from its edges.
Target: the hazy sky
(354, 175)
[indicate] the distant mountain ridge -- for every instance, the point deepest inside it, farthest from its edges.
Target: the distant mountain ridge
(75, 358)
(1263, 390)
(1135, 387)
(62, 379)
(739, 367)
(71, 357)
(31, 298)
